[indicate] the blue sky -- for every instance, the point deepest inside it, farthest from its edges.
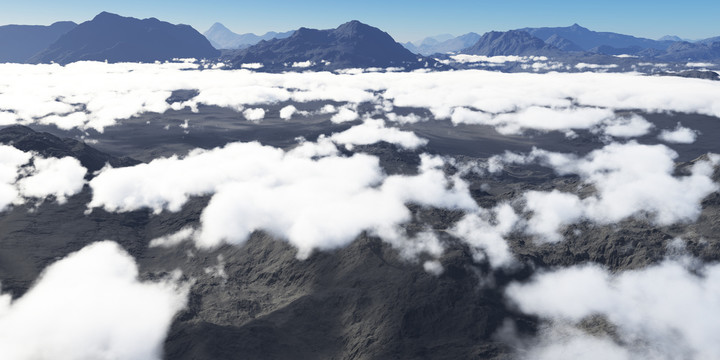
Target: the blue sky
(404, 20)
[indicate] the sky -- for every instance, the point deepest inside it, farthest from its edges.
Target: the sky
(404, 20)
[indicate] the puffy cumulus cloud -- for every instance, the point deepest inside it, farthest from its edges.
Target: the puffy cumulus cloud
(90, 305)
(328, 203)
(310, 196)
(680, 135)
(25, 175)
(252, 66)
(97, 95)
(57, 177)
(256, 114)
(628, 127)
(550, 210)
(11, 159)
(303, 64)
(485, 230)
(372, 131)
(287, 112)
(661, 312)
(345, 114)
(411, 118)
(629, 180)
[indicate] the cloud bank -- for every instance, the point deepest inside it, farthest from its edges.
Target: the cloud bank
(629, 179)
(90, 305)
(25, 175)
(665, 311)
(310, 196)
(91, 95)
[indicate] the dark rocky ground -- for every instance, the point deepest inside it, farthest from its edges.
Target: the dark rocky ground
(358, 302)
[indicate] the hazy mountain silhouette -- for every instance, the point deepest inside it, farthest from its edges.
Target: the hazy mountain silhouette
(19, 42)
(223, 38)
(451, 45)
(118, 39)
(512, 42)
(352, 44)
(709, 40)
(588, 39)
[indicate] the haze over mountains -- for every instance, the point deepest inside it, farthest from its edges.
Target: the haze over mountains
(352, 44)
(114, 38)
(19, 42)
(123, 39)
(223, 38)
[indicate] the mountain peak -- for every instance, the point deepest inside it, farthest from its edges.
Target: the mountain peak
(217, 26)
(513, 42)
(352, 44)
(106, 15)
(117, 38)
(353, 27)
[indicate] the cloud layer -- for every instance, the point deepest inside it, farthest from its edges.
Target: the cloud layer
(310, 196)
(96, 95)
(662, 312)
(24, 175)
(629, 179)
(90, 305)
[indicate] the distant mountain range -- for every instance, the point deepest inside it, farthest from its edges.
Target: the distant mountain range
(587, 39)
(431, 45)
(352, 44)
(114, 38)
(513, 42)
(223, 38)
(20, 42)
(119, 39)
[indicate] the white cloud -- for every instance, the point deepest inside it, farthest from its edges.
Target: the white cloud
(312, 202)
(666, 307)
(58, 177)
(405, 119)
(90, 305)
(287, 112)
(118, 91)
(372, 131)
(550, 210)
(485, 230)
(633, 126)
(252, 66)
(630, 180)
(303, 64)
(583, 66)
(464, 58)
(345, 114)
(254, 114)
(699, 64)
(26, 175)
(173, 239)
(680, 135)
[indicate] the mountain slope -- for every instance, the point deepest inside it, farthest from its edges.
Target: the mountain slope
(588, 39)
(512, 42)
(19, 42)
(223, 38)
(124, 39)
(352, 44)
(562, 43)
